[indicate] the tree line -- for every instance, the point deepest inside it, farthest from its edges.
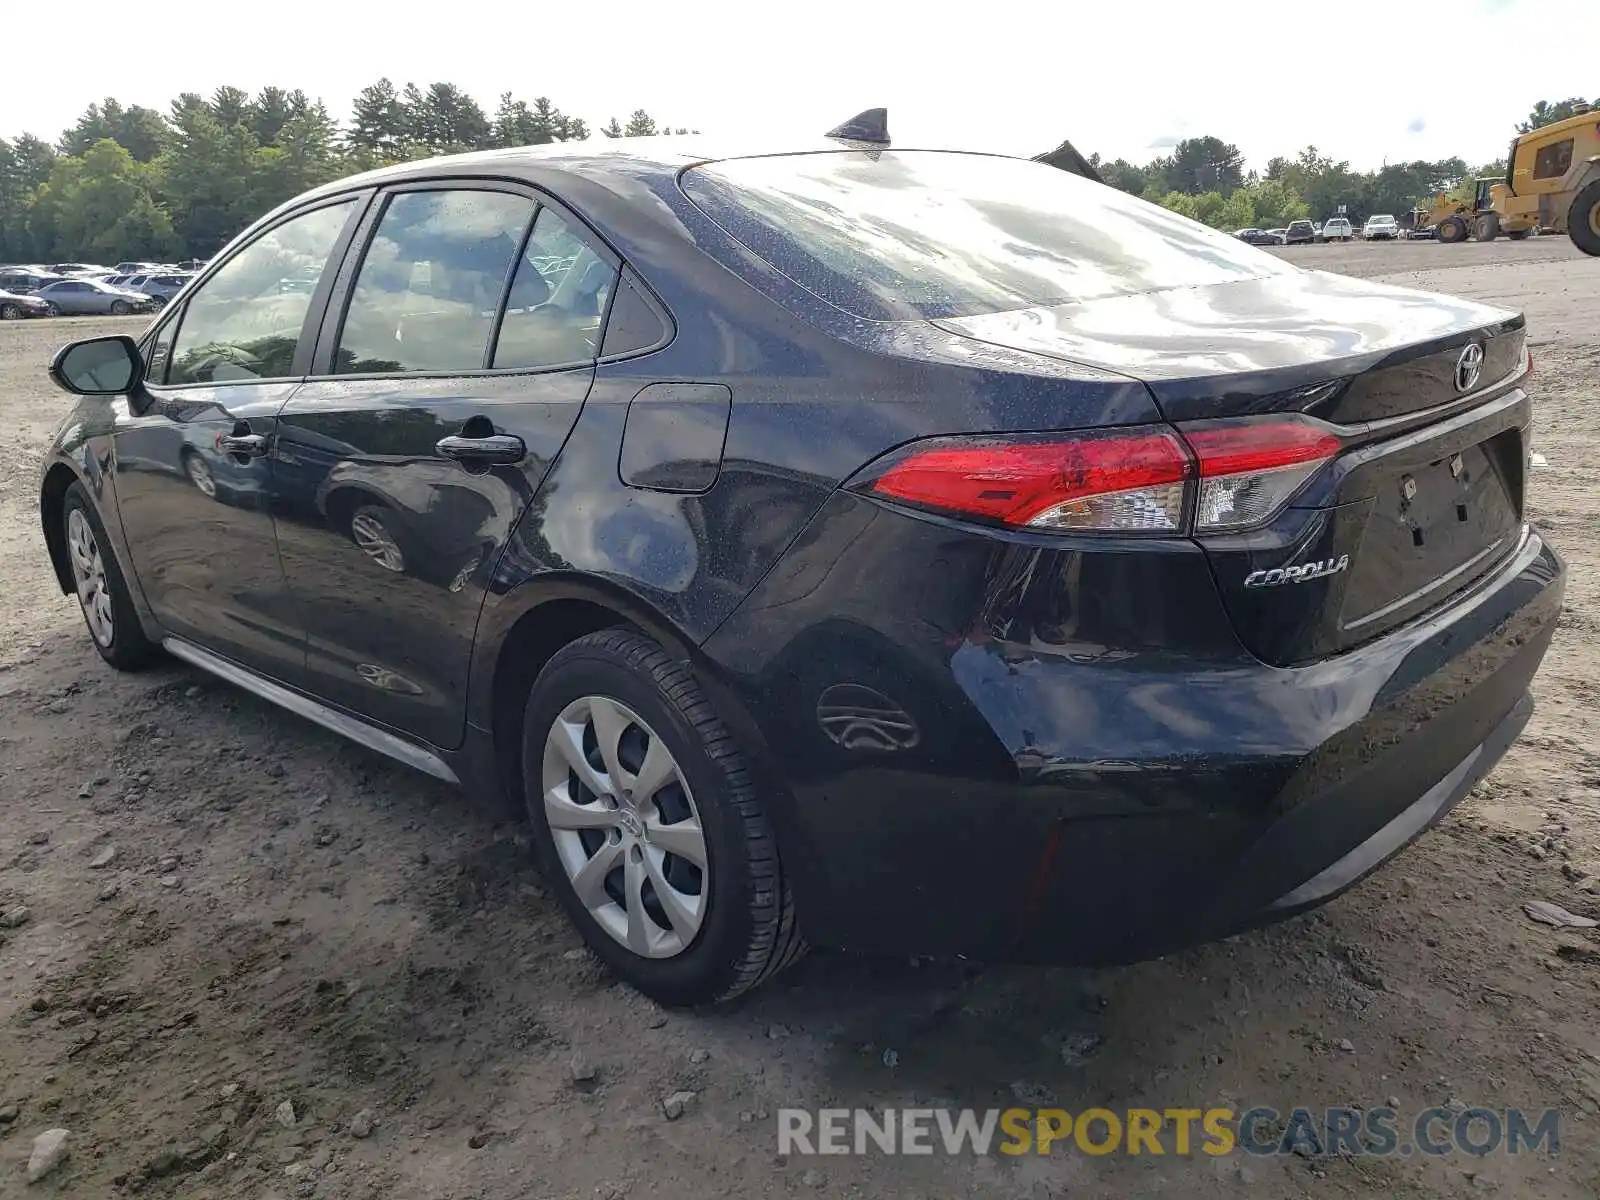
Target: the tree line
(1205, 178)
(130, 182)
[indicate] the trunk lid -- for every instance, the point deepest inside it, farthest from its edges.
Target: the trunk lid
(1425, 498)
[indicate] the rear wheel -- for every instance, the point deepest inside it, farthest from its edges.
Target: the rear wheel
(649, 825)
(1488, 227)
(1583, 219)
(1516, 235)
(1452, 229)
(102, 590)
(9, 312)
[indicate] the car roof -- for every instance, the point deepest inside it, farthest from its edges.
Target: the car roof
(665, 154)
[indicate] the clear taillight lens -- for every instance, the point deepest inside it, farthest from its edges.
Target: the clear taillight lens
(1218, 476)
(1250, 469)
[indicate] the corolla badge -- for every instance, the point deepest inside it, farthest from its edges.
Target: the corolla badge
(1317, 568)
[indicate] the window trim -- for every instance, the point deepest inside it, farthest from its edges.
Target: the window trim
(327, 344)
(175, 314)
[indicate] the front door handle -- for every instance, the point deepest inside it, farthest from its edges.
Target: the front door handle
(497, 449)
(245, 445)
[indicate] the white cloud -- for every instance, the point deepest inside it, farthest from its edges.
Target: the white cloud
(1013, 77)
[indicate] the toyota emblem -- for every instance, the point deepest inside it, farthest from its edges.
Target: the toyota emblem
(1468, 367)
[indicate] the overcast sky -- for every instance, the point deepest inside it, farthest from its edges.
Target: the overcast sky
(1392, 82)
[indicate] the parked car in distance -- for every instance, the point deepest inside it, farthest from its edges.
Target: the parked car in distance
(76, 269)
(1337, 229)
(1381, 227)
(1279, 236)
(16, 305)
(81, 297)
(191, 265)
(1256, 237)
(1299, 233)
(163, 287)
(998, 594)
(135, 268)
(26, 282)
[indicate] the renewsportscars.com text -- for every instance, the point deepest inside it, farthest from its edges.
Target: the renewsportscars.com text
(1180, 1131)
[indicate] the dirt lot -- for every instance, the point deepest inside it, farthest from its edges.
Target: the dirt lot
(288, 918)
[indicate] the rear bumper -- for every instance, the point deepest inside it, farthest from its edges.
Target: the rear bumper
(991, 775)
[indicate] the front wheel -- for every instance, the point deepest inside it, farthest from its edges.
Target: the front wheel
(648, 821)
(1583, 219)
(102, 590)
(119, 308)
(1452, 229)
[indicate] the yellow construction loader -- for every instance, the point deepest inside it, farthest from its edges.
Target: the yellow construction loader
(1552, 183)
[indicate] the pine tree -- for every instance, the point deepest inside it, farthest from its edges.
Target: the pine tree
(378, 123)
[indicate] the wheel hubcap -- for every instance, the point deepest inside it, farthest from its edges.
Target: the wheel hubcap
(1594, 219)
(625, 827)
(200, 475)
(374, 540)
(89, 574)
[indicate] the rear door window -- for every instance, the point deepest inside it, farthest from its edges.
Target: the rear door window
(902, 235)
(431, 282)
(558, 298)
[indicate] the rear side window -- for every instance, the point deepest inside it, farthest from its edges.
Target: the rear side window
(1553, 161)
(431, 282)
(924, 234)
(241, 325)
(558, 298)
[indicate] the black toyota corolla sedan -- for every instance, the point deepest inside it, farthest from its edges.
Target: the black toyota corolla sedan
(897, 550)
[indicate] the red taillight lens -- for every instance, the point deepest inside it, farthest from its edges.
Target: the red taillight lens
(1131, 480)
(1144, 479)
(1250, 469)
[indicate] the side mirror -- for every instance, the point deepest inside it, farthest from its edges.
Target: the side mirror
(102, 366)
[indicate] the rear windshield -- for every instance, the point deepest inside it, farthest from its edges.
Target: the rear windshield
(901, 235)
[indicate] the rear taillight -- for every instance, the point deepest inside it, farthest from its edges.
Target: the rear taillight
(1111, 481)
(1250, 469)
(1223, 475)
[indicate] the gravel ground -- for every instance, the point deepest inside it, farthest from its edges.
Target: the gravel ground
(287, 919)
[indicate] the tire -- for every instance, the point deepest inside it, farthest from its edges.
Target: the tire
(10, 312)
(1583, 219)
(1452, 229)
(102, 589)
(119, 308)
(50, 310)
(1517, 235)
(1488, 227)
(739, 929)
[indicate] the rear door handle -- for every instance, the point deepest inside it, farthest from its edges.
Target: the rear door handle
(246, 445)
(498, 449)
